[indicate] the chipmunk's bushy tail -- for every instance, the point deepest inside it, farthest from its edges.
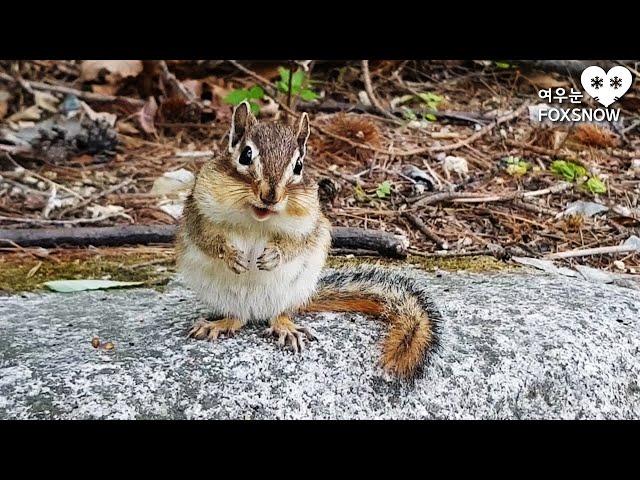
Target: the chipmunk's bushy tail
(394, 296)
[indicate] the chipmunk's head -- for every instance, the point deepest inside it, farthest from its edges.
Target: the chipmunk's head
(263, 174)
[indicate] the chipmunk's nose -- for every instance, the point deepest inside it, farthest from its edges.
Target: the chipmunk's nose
(269, 194)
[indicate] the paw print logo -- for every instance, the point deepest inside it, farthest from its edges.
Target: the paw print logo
(615, 82)
(596, 82)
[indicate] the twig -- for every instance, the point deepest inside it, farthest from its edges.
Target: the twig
(40, 177)
(430, 234)
(592, 251)
(560, 187)
(446, 253)
(441, 197)
(369, 89)
(171, 79)
(195, 154)
(89, 96)
(480, 133)
(95, 197)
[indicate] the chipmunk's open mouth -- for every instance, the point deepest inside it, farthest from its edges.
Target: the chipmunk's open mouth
(262, 213)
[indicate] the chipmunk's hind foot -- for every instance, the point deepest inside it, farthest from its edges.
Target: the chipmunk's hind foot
(204, 329)
(289, 334)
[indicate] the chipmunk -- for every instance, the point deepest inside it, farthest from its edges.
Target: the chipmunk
(253, 243)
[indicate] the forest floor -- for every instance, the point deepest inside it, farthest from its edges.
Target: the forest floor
(442, 152)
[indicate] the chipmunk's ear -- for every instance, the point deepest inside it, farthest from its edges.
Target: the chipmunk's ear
(303, 135)
(241, 120)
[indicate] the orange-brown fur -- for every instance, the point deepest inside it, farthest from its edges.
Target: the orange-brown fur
(411, 332)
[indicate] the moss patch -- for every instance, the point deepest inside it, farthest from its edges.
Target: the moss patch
(147, 268)
(479, 263)
(154, 269)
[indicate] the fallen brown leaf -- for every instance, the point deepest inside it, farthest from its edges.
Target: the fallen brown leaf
(146, 116)
(4, 105)
(30, 114)
(106, 89)
(116, 69)
(545, 80)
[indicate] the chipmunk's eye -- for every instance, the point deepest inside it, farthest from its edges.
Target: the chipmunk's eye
(245, 156)
(298, 167)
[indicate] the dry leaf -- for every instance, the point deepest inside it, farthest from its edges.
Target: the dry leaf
(147, 114)
(544, 80)
(117, 69)
(34, 270)
(107, 89)
(32, 113)
(46, 101)
(194, 87)
(171, 182)
(110, 118)
(4, 103)
(126, 127)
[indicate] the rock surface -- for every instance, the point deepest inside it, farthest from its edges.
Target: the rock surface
(515, 345)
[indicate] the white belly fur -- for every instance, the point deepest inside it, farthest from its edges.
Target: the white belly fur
(252, 295)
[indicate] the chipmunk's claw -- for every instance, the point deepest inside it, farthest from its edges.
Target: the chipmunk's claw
(236, 261)
(212, 330)
(289, 334)
(270, 258)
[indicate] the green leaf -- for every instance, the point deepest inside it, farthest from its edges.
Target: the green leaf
(237, 96)
(431, 117)
(67, 286)
(256, 92)
(595, 185)
(308, 95)
(409, 114)
(360, 195)
(516, 166)
(384, 189)
(430, 97)
(568, 170)
(503, 64)
(284, 74)
(296, 81)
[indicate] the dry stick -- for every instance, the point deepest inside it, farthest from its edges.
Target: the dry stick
(561, 187)
(445, 253)
(369, 89)
(88, 201)
(483, 131)
(441, 197)
(568, 155)
(89, 96)
(592, 251)
(40, 177)
(384, 243)
(171, 79)
(430, 234)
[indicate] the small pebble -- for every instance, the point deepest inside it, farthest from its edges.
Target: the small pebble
(95, 342)
(109, 346)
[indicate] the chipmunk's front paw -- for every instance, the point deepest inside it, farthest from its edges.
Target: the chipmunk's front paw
(289, 334)
(207, 330)
(270, 258)
(236, 260)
